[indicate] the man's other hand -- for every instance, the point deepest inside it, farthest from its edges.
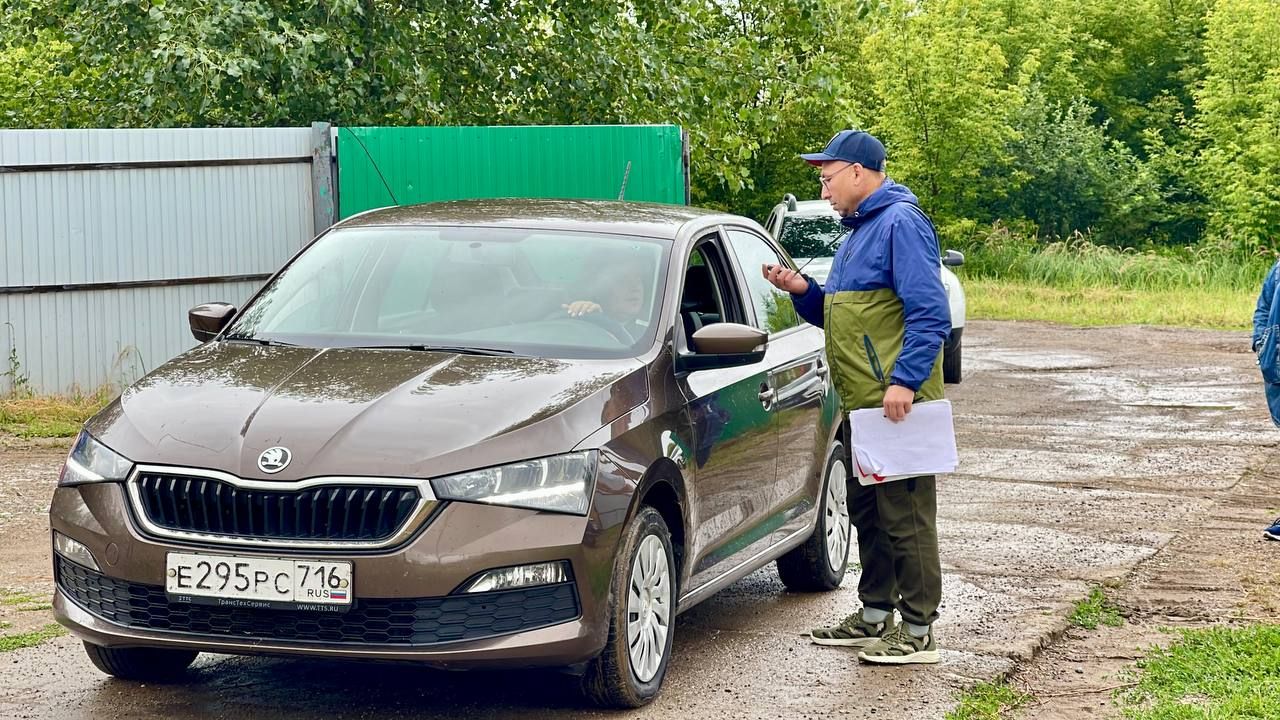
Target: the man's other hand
(897, 402)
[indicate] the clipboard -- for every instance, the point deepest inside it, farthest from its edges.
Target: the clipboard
(922, 443)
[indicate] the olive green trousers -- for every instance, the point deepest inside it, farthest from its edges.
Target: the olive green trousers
(897, 525)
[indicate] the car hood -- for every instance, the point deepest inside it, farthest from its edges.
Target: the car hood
(390, 413)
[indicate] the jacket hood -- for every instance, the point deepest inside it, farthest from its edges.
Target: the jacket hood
(390, 413)
(887, 194)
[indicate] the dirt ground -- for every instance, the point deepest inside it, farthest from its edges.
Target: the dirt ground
(1218, 571)
(26, 581)
(1137, 458)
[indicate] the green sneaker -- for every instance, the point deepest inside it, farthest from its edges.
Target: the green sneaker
(853, 632)
(900, 647)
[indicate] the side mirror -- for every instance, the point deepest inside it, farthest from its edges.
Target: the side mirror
(724, 345)
(209, 319)
(953, 258)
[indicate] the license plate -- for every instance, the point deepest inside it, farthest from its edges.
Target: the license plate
(254, 582)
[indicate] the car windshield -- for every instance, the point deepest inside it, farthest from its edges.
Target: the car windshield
(811, 235)
(543, 293)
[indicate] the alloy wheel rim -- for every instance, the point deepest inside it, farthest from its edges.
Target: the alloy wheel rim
(836, 514)
(648, 608)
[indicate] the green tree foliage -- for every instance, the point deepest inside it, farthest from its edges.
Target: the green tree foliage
(944, 106)
(1139, 62)
(43, 85)
(1238, 120)
(1151, 122)
(1072, 175)
(747, 79)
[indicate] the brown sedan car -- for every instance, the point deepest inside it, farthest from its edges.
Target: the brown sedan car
(469, 434)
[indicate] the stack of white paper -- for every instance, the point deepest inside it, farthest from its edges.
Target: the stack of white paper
(923, 443)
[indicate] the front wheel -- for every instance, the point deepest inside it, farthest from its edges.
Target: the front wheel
(819, 564)
(629, 672)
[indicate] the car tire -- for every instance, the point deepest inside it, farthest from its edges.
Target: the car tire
(819, 564)
(951, 362)
(620, 677)
(141, 663)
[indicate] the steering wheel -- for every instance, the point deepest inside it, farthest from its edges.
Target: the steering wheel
(600, 320)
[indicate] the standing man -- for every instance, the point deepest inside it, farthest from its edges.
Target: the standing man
(886, 315)
(1266, 345)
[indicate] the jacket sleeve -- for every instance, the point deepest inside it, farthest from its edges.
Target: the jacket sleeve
(917, 280)
(1262, 313)
(810, 304)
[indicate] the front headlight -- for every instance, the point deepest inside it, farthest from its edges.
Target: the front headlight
(559, 484)
(90, 461)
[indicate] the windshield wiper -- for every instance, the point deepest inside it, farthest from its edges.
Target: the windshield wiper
(260, 341)
(459, 349)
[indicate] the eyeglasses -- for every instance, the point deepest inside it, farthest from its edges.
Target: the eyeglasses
(826, 179)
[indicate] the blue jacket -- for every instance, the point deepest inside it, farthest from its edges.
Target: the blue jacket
(1266, 339)
(1267, 313)
(891, 244)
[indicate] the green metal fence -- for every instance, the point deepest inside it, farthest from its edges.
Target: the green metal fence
(380, 166)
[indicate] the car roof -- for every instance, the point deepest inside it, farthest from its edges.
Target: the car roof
(814, 208)
(604, 216)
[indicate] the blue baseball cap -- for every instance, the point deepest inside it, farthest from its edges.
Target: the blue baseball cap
(851, 146)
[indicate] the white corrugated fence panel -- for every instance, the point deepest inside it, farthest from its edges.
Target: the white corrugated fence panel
(44, 147)
(109, 225)
(61, 226)
(88, 338)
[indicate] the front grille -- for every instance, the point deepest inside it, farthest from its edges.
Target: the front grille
(399, 622)
(350, 512)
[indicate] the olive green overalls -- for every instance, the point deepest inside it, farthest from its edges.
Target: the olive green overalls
(896, 521)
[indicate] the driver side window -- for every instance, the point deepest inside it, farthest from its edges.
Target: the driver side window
(707, 296)
(700, 303)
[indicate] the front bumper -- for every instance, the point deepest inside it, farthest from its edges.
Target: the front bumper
(559, 645)
(406, 603)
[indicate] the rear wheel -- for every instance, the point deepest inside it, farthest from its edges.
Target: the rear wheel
(140, 663)
(951, 360)
(629, 672)
(819, 564)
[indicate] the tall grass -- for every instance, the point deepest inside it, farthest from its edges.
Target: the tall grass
(990, 299)
(1010, 274)
(1078, 262)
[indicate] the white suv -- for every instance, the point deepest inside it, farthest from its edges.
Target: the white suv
(812, 230)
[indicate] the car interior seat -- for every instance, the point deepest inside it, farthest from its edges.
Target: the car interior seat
(698, 306)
